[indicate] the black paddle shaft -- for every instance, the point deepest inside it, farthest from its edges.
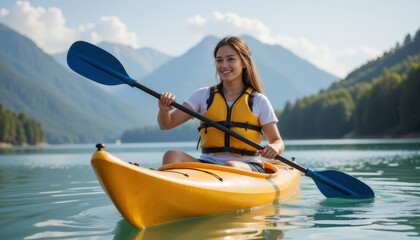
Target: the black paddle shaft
(220, 127)
(100, 66)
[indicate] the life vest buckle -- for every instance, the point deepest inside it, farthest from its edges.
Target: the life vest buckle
(227, 123)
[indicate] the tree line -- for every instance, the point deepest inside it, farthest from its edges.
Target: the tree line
(19, 129)
(387, 105)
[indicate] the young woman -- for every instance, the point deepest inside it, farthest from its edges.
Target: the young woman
(238, 103)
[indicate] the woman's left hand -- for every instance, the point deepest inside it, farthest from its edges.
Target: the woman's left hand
(269, 152)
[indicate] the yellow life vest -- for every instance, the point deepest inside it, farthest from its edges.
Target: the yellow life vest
(239, 118)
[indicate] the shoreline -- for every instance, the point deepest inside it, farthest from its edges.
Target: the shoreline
(372, 136)
(4, 145)
(9, 145)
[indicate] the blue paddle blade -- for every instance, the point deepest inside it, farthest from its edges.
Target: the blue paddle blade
(335, 184)
(97, 64)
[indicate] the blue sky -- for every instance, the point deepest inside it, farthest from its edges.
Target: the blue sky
(336, 36)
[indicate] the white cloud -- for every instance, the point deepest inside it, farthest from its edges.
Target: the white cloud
(339, 63)
(196, 21)
(48, 28)
(114, 30)
(3, 12)
(225, 24)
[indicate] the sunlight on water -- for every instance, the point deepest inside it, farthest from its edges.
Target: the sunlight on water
(52, 193)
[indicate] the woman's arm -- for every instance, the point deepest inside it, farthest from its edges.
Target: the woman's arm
(276, 145)
(167, 119)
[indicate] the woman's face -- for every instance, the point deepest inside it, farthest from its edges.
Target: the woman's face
(229, 65)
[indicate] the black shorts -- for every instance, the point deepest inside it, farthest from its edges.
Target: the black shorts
(256, 167)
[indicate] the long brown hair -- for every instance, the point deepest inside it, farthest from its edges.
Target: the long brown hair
(249, 76)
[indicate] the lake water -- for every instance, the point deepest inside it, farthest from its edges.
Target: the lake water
(52, 193)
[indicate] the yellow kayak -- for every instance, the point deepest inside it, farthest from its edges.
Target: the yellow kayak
(147, 197)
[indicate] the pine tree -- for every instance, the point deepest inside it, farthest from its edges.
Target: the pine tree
(410, 99)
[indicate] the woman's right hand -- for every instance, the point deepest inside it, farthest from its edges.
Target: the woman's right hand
(166, 98)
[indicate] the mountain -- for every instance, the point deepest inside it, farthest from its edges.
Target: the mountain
(137, 62)
(285, 76)
(283, 71)
(71, 108)
(398, 59)
(380, 98)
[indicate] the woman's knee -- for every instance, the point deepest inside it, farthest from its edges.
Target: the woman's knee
(176, 156)
(171, 156)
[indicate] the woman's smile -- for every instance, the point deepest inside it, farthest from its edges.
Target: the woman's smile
(226, 72)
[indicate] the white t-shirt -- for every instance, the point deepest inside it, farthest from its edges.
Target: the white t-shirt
(261, 109)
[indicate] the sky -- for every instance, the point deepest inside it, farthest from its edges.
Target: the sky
(336, 36)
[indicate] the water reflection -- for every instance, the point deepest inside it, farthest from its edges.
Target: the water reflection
(266, 222)
(342, 213)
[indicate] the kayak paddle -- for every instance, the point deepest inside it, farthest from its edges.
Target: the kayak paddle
(102, 67)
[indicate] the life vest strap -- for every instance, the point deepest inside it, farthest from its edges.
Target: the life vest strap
(251, 99)
(229, 149)
(233, 124)
(213, 89)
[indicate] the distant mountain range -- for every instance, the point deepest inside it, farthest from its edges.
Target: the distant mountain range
(285, 76)
(74, 109)
(71, 108)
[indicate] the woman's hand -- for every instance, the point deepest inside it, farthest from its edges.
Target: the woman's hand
(166, 119)
(276, 145)
(269, 151)
(166, 98)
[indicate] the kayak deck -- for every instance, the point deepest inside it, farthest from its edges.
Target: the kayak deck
(146, 197)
